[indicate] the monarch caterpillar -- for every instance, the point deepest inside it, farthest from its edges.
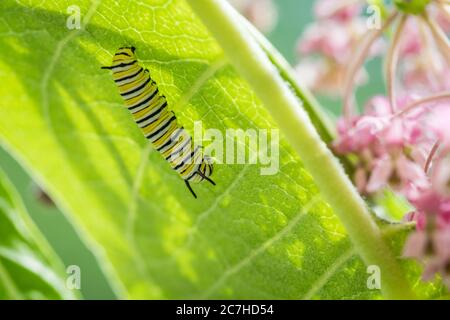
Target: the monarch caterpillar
(159, 125)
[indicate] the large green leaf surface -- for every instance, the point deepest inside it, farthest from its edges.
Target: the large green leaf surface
(29, 269)
(251, 236)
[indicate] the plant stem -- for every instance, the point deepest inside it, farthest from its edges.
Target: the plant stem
(319, 118)
(431, 156)
(336, 188)
(391, 63)
(440, 37)
(357, 61)
(427, 100)
(321, 121)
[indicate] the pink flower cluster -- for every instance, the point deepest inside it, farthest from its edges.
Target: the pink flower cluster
(401, 140)
(431, 242)
(327, 45)
(387, 149)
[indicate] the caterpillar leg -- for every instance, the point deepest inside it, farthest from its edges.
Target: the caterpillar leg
(205, 177)
(190, 188)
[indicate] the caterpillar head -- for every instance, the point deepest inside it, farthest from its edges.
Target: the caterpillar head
(124, 54)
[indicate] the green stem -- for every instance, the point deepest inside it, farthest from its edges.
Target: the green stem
(253, 64)
(320, 120)
(12, 292)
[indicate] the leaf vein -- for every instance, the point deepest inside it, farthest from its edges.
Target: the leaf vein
(329, 272)
(55, 57)
(256, 252)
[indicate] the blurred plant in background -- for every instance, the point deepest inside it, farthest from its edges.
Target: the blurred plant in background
(401, 140)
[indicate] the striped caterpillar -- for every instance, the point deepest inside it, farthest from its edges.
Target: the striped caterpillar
(158, 124)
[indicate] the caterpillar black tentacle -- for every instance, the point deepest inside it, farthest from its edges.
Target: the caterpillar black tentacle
(190, 188)
(206, 178)
(158, 124)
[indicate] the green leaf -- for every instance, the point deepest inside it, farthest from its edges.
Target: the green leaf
(29, 269)
(251, 236)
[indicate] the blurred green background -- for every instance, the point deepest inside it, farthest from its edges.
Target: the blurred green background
(293, 16)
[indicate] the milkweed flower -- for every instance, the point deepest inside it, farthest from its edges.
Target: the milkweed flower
(430, 243)
(387, 150)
